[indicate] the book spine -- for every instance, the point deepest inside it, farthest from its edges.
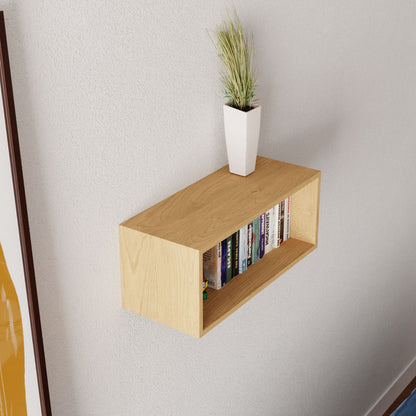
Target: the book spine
(276, 226)
(249, 243)
(256, 240)
(229, 258)
(223, 262)
(242, 258)
(236, 252)
(262, 235)
(282, 220)
(219, 266)
(210, 266)
(285, 219)
(269, 231)
(287, 222)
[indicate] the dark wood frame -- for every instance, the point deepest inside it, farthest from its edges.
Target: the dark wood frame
(402, 397)
(23, 222)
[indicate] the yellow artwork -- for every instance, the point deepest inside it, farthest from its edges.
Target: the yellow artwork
(12, 360)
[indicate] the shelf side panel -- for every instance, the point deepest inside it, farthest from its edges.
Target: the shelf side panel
(304, 212)
(161, 280)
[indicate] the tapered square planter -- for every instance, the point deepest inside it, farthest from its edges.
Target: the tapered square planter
(242, 129)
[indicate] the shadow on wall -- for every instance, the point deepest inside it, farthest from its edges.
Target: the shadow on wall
(54, 333)
(303, 138)
(308, 144)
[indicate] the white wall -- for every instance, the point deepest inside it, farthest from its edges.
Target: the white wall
(119, 106)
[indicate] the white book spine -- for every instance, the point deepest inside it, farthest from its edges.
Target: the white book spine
(242, 254)
(288, 204)
(286, 217)
(249, 244)
(269, 231)
(273, 230)
(276, 232)
(212, 272)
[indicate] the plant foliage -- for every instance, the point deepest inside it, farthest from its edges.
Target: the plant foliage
(236, 51)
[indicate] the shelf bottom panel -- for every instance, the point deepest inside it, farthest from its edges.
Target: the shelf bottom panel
(221, 303)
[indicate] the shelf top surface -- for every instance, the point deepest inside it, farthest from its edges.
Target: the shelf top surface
(216, 206)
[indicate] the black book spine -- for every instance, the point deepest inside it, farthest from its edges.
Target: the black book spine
(236, 252)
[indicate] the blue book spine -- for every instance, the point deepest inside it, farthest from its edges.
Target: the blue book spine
(223, 262)
(262, 235)
(256, 241)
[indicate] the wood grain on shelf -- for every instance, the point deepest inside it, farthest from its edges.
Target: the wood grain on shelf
(213, 208)
(221, 303)
(304, 212)
(161, 280)
(161, 249)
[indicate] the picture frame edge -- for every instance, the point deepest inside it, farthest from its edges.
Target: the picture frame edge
(23, 219)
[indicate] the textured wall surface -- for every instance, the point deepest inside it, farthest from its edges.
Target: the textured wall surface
(119, 106)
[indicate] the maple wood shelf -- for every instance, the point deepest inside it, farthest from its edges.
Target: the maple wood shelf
(161, 248)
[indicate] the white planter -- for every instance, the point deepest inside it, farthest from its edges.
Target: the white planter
(242, 131)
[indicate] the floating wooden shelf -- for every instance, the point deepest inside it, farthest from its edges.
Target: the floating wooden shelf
(161, 249)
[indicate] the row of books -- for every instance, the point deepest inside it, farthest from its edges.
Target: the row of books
(247, 246)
